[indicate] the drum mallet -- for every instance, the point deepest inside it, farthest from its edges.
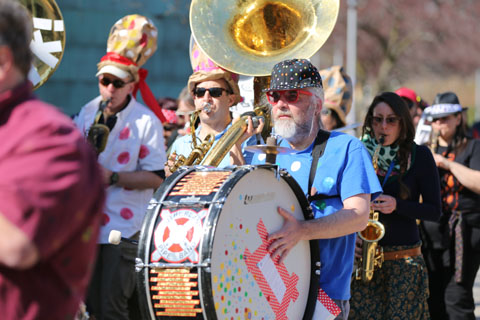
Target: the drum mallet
(115, 237)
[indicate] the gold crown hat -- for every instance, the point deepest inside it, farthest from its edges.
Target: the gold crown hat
(132, 41)
(338, 89)
(205, 69)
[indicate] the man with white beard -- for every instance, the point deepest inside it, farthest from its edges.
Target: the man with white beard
(334, 171)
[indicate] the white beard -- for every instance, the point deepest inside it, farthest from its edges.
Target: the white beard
(292, 131)
(286, 128)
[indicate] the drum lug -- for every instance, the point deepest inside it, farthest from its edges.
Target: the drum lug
(318, 266)
(138, 265)
(208, 262)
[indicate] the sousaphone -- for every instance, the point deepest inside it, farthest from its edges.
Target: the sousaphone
(250, 36)
(48, 39)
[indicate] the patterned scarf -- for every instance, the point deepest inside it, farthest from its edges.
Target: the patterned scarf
(386, 155)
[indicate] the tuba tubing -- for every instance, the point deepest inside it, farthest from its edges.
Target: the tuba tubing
(226, 142)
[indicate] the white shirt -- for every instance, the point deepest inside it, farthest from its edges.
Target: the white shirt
(135, 143)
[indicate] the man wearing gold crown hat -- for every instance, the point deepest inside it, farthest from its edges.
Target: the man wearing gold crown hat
(214, 91)
(132, 159)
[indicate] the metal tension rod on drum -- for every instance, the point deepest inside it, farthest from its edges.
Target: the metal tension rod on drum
(139, 265)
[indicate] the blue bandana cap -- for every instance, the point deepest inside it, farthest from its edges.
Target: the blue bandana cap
(294, 74)
(441, 110)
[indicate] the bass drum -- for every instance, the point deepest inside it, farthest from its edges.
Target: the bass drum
(203, 250)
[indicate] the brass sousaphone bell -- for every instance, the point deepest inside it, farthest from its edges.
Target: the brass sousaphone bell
(48, 39)
(250, 36)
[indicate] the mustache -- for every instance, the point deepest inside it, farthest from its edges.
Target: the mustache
(283, 113)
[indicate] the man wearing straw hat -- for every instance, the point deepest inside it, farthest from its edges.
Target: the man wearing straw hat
(132, 159)
(214, 91)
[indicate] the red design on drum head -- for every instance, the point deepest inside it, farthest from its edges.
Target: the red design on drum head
(177, 235)
(325, 308)
(261, 265)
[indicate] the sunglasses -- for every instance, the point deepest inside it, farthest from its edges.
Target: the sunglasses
(116, 83)
(326, 111)
(291, 96)
(389, 120)
(214, 92)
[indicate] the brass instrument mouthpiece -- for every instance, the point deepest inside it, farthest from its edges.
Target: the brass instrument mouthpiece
(381, 139)
(207, 107)
(104, 103)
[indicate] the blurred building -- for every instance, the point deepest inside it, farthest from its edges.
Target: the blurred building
(87, 25)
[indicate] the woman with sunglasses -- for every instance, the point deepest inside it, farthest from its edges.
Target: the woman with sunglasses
(452, 248)
(399, 289)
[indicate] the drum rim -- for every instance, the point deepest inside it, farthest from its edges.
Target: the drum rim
(204, 280)
(145, 242)
(204, 277)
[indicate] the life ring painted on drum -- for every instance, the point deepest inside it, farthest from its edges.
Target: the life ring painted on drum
(177, 236)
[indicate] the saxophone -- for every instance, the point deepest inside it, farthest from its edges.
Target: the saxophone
(226, 142)
(198, 150)
(372, 254)
(223, 146)
(434, 140)
(98, 133)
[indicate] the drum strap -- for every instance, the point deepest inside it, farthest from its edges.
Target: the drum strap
(318, 149)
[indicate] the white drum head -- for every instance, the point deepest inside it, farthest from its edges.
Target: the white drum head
(246, 283)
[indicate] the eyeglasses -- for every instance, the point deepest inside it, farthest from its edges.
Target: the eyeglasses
(291, 96)
(326, 111)
(389, 120)
(116, 83)
(214, 92)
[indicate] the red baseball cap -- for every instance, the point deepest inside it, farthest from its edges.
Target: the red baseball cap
(407, 93)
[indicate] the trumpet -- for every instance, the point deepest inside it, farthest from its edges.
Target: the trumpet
(372, 254)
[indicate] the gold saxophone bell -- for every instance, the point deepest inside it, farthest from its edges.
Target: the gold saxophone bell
(98, 133)
(198, 150)
(257, 34)
(372, 253)
(48, 39)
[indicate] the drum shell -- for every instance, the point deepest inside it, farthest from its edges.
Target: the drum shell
(215, 203)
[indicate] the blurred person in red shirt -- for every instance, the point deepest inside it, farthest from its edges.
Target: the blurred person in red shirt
(51, 192)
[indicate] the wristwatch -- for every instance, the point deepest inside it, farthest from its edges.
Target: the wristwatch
(114, 178)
